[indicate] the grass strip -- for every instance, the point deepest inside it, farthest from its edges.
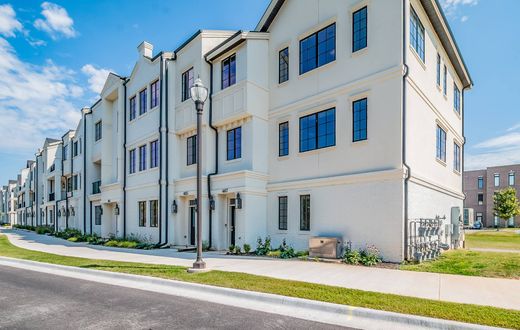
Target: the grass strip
(487, 239)
(387, 302)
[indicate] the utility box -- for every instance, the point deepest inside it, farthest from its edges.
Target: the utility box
(325, 247)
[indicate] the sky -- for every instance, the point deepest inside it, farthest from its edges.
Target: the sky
(55, 56)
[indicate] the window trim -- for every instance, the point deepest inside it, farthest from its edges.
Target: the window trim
(457, 157)
(317, 127)
(439, 65)
(495, 177)
(443, 154)
(353, 122)
(509, 176)
(131, 161)
(354, 31)
(280, 66)
(155, 202)
(154, 163)
(480, 179)
(98, 137)
(142, 159)
(145, 110)
(134, 115)
(420, 26)
(315, 33)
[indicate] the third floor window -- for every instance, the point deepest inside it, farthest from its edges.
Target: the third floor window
(480, 182)
(318, 49)
(359, 29)
(187, 82)
(142, 102)
(497, 180)
(511, 179)
(456, 98)
(132, 108)
(416, 34)
(98, 131)
(283, 65)
(155, 90)
(229, 71)
(191, 150)
(441, 144)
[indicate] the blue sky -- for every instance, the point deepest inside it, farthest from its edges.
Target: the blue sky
(54, 57)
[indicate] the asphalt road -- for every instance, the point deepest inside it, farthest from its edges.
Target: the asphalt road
(31, 300)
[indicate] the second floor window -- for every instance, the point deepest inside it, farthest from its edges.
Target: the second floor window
(154, 154)
(142, 158)
(187, 82)
(441, 144)
(417, 34)
(229, 71)
(75, 149)
(98, 131)
(142, 214)
(456, 98)
(497, 180)
(512, 179)
(191, 150)
(456, 157)
(153, 213)
(75, 182)
(359, 132)
(318, 49)
(445, 81)
(318, 130)
(154, 99)
(234, 143)
(133, 108)
(480, 182)
(480, 199)
(132, 161)
(359, 29)
(142, 102)
(65, 152)
(282, 212)
(283, 139)
(283, 65)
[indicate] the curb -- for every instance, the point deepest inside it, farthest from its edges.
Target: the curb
(317, 311)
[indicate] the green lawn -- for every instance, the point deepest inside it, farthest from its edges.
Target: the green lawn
(473, 263)
(444, 310)
(506, 239)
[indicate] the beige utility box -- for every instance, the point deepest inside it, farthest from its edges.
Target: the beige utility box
(325, 247)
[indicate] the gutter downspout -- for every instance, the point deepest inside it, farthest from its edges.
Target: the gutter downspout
(71, 176)
(210, 175)
(403, 115)
(90, 213)
(160, 148)
(36, 190)
(166, 225)
(85, 172)
(126, 80)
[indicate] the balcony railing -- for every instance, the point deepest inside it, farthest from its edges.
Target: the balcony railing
(96, 187)
(51, 197)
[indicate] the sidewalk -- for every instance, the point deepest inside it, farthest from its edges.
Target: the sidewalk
(504, 293)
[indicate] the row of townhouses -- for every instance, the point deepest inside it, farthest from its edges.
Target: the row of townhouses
(338, 118)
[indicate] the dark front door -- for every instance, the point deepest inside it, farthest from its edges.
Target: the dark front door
(232, 225)
(192, 225)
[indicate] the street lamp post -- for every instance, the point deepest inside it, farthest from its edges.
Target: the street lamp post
(199, 94)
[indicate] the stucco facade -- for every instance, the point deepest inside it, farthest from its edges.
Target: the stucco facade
(136, 139)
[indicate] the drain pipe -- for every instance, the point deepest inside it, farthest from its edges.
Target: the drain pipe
(403, 116)
(85, 113)
(210, 175)
(160, 148)
(166, 225)
(126, 80)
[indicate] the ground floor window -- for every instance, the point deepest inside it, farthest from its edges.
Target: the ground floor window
(153, 213)
(142, 214)
(98, 212)
(305, 212)
(282, 212)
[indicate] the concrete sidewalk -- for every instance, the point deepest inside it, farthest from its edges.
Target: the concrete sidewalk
(504, 293)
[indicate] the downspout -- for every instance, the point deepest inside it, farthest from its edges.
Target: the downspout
(71, 177)
(166, 225)
(36, 190)
(403, 116)
(160, 148)
(124, 164)
(210, 175)
(90, 216)
(85, 171)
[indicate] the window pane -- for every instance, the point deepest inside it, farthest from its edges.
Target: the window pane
(283, 148)
(359, 29)
(360, 120)
(308, 60)
(305, 212)
(283, 66)
(282, 212)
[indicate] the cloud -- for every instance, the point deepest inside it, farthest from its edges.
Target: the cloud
(464, 19)
(452, 8)
(500, 150)
(96, 77)
(36, 101)
(8, 22)
(56, 21)
(514, 128)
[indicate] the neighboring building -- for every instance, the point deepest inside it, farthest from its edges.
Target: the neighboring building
(11, 201)
(3, 205)
(479, 187)
(25, 195)
(333, 118)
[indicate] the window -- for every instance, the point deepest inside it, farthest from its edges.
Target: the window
(512, 179)
(318, 49)
(69, 184)
(155, 90)
(65, 152)
(318, 130)
(98, 213)
(480, 182)
(75, 149)
(283, 139)
(153, 213)
(359, 123)
(75, 185)
(441, 144)
(191, 150)
(456, 98)
(480, 198)
(154, 154)
(142, 214)
(282, 212)
(132, 161)
(142, 158)
(132, 108)
(305, 212)
(98, 134)
(142, 102)
(283, 65)
(456, 157)
(438, 69)
(187, 82)
(359, 29)
(497, 180)
(480, 217)
(229, 71)
(417, 34)
(445, 81)
(234, 143)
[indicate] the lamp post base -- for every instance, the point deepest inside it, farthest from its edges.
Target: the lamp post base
(198, 267)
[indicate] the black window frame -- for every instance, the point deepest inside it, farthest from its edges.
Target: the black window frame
(316, 135)
(283, 203)
(358, 30)
(438, 70)
(305, 212)
(143, 105)
(142, 213)
(456, 157)
(420, 43)
(155, 90)
(142, 158)
(445, 81)
(237, 146)
(283, 65)
(456, 98)
(154, 214)
(317, 42)
(283, 139)
(186, 85)
(359, 121)
(154, 154)
(132, 161)
(132, 104)
(441, 136)
(98, 130)
(480, 201)
(191, 150)
(231, 77)
(98, 214)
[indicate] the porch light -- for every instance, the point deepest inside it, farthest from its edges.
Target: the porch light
(199, 93)
(174, 207)
(116, 209)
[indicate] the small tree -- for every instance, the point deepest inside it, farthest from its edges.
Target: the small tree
(506, 204)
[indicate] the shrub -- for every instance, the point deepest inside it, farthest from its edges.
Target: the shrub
(264, 248)
(205, 246)
(370, 256)
(72, 239)
(286, 251)
(247, 248)
(302, 254)
(68, 233)
(274, 254)
(42, 230)
(238, 249)
(352, 257)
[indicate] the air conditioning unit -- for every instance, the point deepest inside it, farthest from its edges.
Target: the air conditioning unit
(325, 247)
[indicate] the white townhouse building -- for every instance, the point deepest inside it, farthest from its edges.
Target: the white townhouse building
(25, 195)
(10, 201)
(339, 118)
(3, 205)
